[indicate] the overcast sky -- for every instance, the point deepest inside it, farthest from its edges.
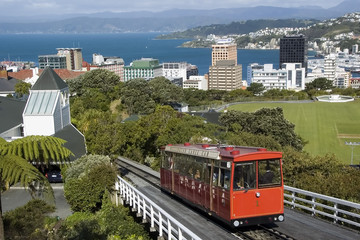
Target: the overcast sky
(36, 7)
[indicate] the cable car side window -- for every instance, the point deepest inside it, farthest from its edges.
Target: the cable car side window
(167, 161)
(244, 176)
(269, 173)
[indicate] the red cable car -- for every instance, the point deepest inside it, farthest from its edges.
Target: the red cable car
(241, 186)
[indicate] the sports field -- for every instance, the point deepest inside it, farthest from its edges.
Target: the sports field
(326, 126)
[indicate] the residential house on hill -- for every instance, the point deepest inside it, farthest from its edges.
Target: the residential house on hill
(7, 83)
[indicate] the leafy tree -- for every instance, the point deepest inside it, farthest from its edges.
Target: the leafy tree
(28, 221)
(115, 221)
(268, 122)
(319, 84)
(81, 225)
(99, 128)
(101, 79)
(111, 222)
(140, 139)
(194, 97)
(15, 167)
(321, 174)
(167, 126)
(85, 185)
(214, 94)
(136, 96)
(163, 91)
(249, 139)
(92, 98)
(237, 95)
(83, 165)
(344, 91)
(256, 88)
(22, 88)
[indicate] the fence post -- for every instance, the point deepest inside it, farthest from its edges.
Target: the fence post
(117, 192)
(152, 225)
(335, 213)
(180, 234)
(313, 206)
(293, 200)
(144, 211)
(160, 225)
(169, 229)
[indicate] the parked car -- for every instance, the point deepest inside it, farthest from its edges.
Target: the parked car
(54, 176)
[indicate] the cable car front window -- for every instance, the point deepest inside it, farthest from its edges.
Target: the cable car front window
(244, 176)
(269, 173)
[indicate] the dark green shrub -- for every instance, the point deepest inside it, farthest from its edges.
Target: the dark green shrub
(28, 221)
(84, 194)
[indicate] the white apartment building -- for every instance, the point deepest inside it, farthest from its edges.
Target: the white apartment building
(291, 77)
(174, 70)
(342, 78)
(330, 67)
(198, 82)
(334, 69)
(355, 48)
(97, 59)
(316, 72)
(295, 76)
(270, 78)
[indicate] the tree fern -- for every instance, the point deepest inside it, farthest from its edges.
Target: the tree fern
(39, 149)
(16, 169)
(31, 152)
(35, 148)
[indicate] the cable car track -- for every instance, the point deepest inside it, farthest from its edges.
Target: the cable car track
(258, 232)
(261, 232)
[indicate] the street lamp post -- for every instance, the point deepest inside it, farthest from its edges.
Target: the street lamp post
(352, 144)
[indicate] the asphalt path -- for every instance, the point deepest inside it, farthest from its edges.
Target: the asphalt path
(18, 196)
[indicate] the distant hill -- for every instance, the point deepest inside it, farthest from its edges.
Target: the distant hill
(237, 28)
(166, 21)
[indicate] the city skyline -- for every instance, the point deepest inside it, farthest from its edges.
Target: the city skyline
(48, 7)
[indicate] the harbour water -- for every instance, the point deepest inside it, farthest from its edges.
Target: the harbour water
(129, 46)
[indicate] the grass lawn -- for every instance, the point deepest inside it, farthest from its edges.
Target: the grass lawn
(326, 126)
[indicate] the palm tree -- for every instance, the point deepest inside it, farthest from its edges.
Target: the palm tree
(15, 164)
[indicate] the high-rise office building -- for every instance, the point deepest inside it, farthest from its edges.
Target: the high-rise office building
(73, 57)
(54, 61)
(225, 75)
(293, 49)
(224, 50)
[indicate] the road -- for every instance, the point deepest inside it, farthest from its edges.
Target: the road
(18, 196)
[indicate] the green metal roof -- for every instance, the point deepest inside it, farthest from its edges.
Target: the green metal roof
(49, 80)
(144, 63)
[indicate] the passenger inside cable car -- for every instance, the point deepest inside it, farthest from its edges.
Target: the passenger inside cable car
(244, 176)
(269, 173)
(267, 177)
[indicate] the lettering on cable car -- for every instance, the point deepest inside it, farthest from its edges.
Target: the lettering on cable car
(194, 152)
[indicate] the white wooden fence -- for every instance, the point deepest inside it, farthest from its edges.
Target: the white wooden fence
(166, 225)
(340, 211)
